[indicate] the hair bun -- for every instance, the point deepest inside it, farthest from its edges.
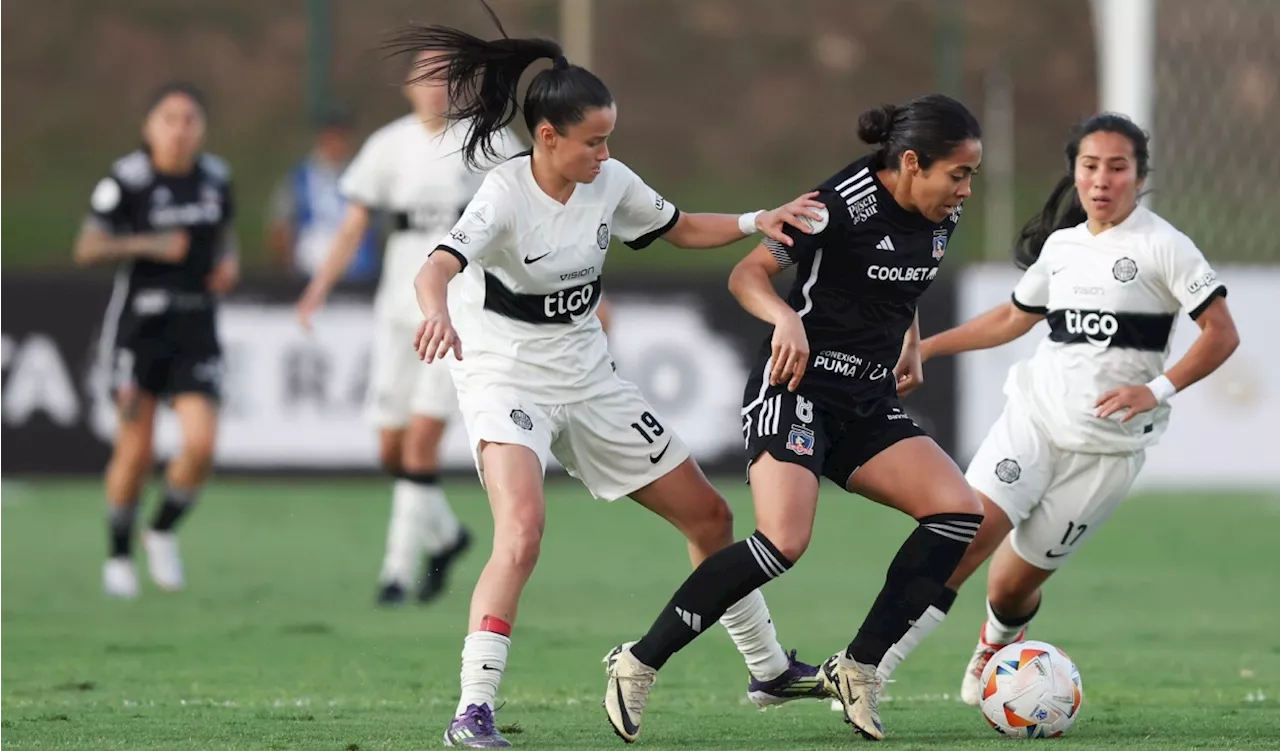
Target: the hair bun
(874, 125)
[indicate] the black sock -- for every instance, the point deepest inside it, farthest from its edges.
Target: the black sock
(713, 588)
(175, 505)
(420, 478)
(1011, 621)
(945, 599)
(917, 578)
(120, 529)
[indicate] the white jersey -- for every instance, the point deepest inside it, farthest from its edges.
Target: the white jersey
(1111, 301)
(422, 181)
(524, 305)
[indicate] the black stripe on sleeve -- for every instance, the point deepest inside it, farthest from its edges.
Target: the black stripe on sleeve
(644, 241)
(461, 258)
(1221, 291)
(1032, 309)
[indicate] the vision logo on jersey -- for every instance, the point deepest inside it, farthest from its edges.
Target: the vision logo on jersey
(1125, 270)
(800, 441)
(939, 244)
(602, 236)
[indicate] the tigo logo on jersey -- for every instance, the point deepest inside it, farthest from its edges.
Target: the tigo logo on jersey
(800, 441)
(569, 302)
(460, 236)
(1097, 328)
(939, 244)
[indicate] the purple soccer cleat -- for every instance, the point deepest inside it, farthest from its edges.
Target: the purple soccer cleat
(799, 681)
(474, 729)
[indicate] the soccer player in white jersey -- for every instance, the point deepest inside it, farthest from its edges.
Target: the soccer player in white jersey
(1109, 276)
(411, 169)
(530, 362)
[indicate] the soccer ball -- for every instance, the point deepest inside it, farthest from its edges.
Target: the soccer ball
(1031, 690)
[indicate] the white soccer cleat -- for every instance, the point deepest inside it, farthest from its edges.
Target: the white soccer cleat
(627, 691)
(163, 560)
(119, 579)
(858, 688)
(971, 686)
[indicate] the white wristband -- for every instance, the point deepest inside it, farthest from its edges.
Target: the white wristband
(747, 222)
(1162, 388)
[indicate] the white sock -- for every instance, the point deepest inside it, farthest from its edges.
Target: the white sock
(752, 631)
(484, 659)
(440, 526)
(997, 633)
(923, 626)
(404, 534)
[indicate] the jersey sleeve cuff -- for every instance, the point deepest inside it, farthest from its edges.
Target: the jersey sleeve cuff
(1032, 309)
(461, 258)
(645, 240)
(1219, 291)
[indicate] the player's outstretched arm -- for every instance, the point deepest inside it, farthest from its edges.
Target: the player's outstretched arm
(718, 230)
(749, 282)
(436, 335)
(95, 245)
(336, 262)
(1000, 325)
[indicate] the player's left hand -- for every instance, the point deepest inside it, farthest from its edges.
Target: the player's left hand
(1136, 399)
(909, 372)
(797, 213)
(223, 277)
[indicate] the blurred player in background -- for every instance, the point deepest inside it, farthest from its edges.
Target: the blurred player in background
(531, 362)
(307, 207)
(413, 170)
(1110, 277)
(164, 216)
(823, 402)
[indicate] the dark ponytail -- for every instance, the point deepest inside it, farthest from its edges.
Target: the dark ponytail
(932, 126)
(1063, 209)
(483, 76)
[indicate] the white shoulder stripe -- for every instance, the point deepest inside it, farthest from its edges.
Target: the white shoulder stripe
(864, 172)
(133, 170)
(215, 167)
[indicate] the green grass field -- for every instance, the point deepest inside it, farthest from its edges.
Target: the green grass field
(1172, 613)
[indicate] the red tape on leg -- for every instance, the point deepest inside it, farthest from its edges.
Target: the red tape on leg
(495, 625)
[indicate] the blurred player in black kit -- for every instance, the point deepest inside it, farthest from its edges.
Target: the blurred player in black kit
(163, 216)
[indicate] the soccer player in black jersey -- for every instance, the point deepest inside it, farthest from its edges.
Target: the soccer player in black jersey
(163, 216)
(823, 400)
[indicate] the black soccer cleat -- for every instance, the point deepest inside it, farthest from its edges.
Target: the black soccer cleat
(390, 595)
(437, 567)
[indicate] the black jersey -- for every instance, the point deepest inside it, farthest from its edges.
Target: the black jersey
(167, 301)
(857, 282)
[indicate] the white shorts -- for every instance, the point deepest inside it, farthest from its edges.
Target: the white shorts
(401, 385)
(1055, 499)
(614, 443)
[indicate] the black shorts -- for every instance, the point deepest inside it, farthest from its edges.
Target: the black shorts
(169, 373)
(793, 429)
